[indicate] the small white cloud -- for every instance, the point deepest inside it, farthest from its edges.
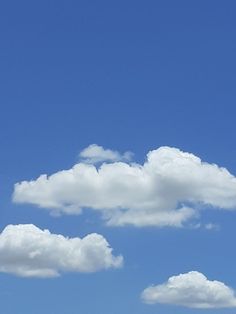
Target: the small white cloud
(166, 190)
(212, 226)
(95, 153)
(28, 251)
(192, 290)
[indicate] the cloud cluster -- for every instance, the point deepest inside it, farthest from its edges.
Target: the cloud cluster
(165, 191)
(28, 251)
(192, 290)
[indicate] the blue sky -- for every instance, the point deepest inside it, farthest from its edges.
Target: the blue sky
(128, 76)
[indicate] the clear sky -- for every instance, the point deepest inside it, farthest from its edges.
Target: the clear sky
(127, 76)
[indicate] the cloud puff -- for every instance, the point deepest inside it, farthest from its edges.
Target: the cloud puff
(95, 153)
(192, 290)
(166, 190)
(28, 251)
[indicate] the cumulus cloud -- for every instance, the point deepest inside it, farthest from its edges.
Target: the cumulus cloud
(28, 251)
(95, 153)
(167, 190)
(192, 290)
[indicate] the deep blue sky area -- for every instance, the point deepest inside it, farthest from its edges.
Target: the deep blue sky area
(127, 75)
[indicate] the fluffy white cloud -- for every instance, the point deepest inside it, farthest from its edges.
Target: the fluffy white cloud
(95, 153)
(191, 290)
(166, 190)
(28, 251)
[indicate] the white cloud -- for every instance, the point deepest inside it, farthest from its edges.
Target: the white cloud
(166, 190)
(212, 226)
(192, 290)
(28, 251)
(95, 153)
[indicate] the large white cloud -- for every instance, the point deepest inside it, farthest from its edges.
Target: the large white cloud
(165, 191)
(28, 251)
(191, 290)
